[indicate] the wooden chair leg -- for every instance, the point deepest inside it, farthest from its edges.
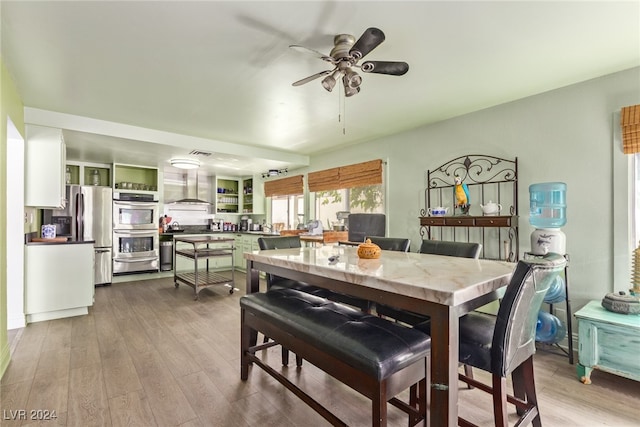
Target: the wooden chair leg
(468, 372)
(519, 390)
(530, 388)
(285, 357)
(500, 401)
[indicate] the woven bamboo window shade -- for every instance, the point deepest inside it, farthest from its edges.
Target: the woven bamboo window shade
(358, 175)
(289, 186)
(630, 123)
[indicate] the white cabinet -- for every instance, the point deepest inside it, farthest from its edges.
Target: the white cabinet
(45, 165)
(58, 280)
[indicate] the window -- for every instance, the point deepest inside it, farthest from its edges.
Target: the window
(366, 199)
(635, 202)
(288, 210)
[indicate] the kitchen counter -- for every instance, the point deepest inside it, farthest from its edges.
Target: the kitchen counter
(57, 242)
(214, 232)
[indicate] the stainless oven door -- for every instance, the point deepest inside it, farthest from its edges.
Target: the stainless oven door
(135, 215)
(131, 244)
(135, 251)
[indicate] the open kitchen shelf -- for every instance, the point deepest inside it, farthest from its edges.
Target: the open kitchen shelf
(82, 173)
(227, 195)
(489, 179)
(135, 178)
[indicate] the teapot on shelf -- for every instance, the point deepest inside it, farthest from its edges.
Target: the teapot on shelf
(437, 211)
(491, 208)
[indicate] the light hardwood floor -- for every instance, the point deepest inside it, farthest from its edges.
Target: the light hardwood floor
(148, 354)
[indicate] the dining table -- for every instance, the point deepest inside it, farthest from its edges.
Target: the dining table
(441, 287)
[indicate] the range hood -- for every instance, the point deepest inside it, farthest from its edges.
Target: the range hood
(191, 190)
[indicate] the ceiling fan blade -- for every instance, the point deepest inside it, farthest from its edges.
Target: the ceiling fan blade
(309, 51)
(311, 78)
(385, 67)
(368, 41)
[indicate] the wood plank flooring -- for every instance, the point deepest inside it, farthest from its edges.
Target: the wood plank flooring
(147, 354)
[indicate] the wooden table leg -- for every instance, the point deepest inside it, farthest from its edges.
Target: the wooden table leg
(444, 368)
(252, 286)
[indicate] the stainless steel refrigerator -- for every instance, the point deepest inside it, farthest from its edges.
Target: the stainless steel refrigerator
(90, 209)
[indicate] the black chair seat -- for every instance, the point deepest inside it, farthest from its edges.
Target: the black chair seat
(476, 336)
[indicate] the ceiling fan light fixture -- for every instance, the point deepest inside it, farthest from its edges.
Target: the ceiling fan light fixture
(350, 91)
(184, 163)
(330, 81)
(352, 79)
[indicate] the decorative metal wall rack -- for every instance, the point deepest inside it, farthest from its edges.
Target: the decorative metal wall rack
(489, 180)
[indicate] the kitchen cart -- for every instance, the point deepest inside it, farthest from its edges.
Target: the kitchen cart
(203, 248)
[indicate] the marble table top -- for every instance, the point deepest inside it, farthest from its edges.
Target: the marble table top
(441, 279)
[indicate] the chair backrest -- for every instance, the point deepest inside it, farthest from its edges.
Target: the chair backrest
(459, 249)
(361, 225)
(279, 242)
(391, 243)
(515, 330)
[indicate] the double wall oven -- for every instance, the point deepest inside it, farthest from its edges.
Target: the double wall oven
(136, 241)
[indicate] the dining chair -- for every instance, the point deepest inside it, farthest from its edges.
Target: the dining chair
(391, 243)
(281, 242)
(443, 247)
(434, 247)
(505, 344)
(386, 244)
(365, 224)
(273, 281)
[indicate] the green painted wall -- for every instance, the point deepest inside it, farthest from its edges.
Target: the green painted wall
(561, 135)
(10, 106)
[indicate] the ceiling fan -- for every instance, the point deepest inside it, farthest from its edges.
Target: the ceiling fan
(345, 56)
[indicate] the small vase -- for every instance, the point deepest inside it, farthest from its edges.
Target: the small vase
(368, 250)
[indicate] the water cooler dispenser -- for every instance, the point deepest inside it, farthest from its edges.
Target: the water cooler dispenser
(547, 214)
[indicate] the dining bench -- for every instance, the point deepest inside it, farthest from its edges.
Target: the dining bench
(374, 356)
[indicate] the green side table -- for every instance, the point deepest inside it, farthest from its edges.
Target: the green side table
(607, 341)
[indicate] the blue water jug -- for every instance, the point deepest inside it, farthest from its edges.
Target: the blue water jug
(549, 329)
(557, 291)
(548, 205)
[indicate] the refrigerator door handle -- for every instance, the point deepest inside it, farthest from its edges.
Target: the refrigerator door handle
(78, 217)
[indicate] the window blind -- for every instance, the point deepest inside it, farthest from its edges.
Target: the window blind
(289, 186)
(357, 175)
(630, 123)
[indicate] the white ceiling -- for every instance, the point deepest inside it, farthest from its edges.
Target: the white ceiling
(216, 75)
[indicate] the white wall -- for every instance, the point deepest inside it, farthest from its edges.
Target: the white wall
(561, 135)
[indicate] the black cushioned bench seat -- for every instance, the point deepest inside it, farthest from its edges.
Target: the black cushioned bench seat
(375, 356)
(372, 344)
